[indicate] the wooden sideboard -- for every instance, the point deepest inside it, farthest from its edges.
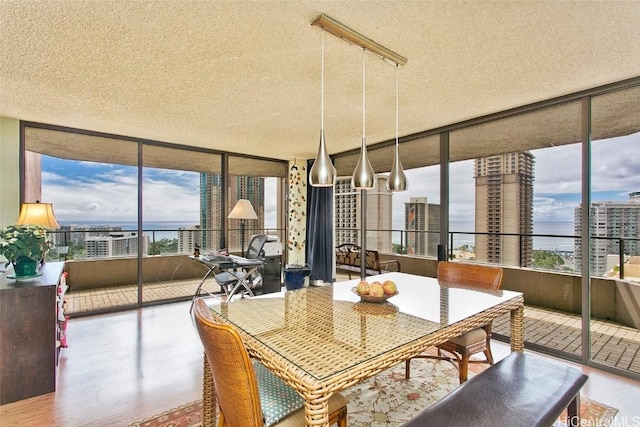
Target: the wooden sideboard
(29, 334)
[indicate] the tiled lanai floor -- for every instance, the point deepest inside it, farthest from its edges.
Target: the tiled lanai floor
(612, 344)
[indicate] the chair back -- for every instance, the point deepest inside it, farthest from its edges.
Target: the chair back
(470, 275)
(254, 250)
(233, 376)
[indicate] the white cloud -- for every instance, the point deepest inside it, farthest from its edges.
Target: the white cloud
(111, 195)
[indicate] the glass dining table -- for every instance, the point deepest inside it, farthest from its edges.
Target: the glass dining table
(321, 340)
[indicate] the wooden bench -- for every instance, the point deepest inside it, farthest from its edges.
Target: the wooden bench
(348, 259)
(520, 390)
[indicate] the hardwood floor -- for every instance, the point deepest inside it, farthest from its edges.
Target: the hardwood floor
(123, 367)
(119, 368)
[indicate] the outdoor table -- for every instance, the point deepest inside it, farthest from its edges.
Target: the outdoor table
(321, 340)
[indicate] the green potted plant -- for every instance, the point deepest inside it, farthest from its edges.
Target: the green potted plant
(24, 246)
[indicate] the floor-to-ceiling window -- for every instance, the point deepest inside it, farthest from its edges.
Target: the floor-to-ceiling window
(133, 211)
(515, 185)
(615, 228)
(92, 182)
(171, 218)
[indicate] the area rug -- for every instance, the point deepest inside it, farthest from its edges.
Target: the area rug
(387, 400)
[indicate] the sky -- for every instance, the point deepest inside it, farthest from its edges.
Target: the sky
(82, 191)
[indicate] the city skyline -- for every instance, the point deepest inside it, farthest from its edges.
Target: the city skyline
(81, 190)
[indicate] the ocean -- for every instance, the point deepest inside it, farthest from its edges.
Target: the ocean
(543, 228)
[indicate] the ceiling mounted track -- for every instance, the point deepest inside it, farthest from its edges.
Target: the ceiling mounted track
(341, 31)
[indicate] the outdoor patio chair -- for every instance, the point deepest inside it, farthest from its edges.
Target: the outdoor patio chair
(458, 350)
(248, 394)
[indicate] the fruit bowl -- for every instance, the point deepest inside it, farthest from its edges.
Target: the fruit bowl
(369, 298)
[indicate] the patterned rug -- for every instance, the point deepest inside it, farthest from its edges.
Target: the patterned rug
(387, 400)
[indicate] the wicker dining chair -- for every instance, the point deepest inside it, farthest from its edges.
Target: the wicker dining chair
(248, 394)
(458, 350)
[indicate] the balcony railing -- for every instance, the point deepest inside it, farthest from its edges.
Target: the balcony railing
(425, 243)
(72, 244)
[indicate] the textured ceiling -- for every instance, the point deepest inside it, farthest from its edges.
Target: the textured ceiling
(245, 76)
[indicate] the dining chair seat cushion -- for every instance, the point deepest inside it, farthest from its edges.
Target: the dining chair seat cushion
(281, 405)
(471, 337)
(276, 398)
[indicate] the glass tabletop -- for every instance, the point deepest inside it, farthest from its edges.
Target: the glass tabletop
(326, 330)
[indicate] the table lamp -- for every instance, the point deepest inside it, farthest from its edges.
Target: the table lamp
(38, 214)
(242, 211)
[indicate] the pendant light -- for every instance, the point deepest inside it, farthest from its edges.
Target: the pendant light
(397, 180)
(322, 173)
(363, 175)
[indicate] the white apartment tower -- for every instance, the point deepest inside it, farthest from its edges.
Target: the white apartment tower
(115, 245)
(188, 238)
(422, 222)
(348, 212)
(504, 205)
(612, 220)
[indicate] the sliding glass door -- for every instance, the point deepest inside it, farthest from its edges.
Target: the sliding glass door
(614, 230)
(172, 224)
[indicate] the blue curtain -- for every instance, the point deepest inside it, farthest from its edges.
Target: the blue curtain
(320, 231)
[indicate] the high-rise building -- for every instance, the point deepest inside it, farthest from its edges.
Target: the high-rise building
(422, 222)
(211, 217)
(347, 214)
(613, 220)
(115, 245)
(210, 207)
(504, 205)
(188, 238)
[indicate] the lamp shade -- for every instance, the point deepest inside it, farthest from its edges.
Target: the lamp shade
(243, 210)
(38, 214)
(322, 173)
(363, 176)
(397, 180)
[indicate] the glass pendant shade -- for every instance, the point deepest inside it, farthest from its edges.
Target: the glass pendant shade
(322, 173)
